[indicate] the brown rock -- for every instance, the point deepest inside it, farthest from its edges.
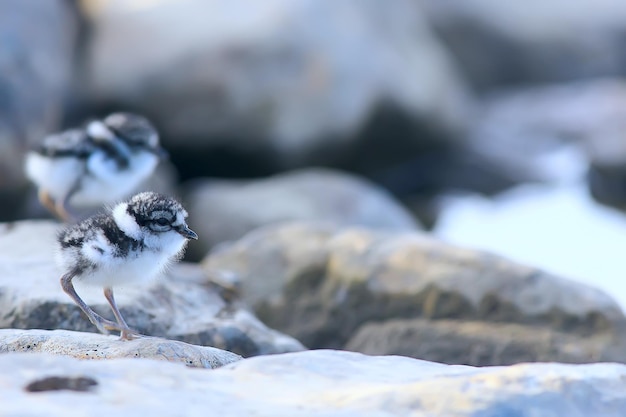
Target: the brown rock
(482, 343)
(320, 284)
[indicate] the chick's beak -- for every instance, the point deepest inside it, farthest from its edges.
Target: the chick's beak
(187, 233)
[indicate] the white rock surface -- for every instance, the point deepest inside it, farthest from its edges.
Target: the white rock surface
(312, 383)
(83, 345)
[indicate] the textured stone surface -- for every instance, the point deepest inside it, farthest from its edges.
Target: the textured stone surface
(320, 283)
(177, 306)
(500, 43)
(314, 383)
(482, 343)
(223, 210)
(97, 346)
(284, 78)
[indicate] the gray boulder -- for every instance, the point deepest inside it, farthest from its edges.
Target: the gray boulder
(498, 43)
(223, 210)
(97, 346)
(292, 81)
(178, 306)
(313, 383)
(524, 130)
(320, 283)
(482, 343)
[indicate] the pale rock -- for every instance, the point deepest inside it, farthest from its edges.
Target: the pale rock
(83, 345)
(312, 383)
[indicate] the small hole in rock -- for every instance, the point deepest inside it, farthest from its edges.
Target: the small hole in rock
(58, 383)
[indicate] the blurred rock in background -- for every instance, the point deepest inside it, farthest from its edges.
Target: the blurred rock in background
(37, 75)
(240, 88)
(523, 129)
(222, 211)
(499, 44)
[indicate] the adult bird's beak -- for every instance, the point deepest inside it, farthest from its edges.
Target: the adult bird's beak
(187, 233)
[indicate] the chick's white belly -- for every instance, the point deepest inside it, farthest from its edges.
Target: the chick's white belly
(107, 183)
(133, 270)
(55, 175)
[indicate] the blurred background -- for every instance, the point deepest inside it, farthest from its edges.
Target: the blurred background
(498, 125)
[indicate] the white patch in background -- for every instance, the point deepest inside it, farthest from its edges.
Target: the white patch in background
(558, 228)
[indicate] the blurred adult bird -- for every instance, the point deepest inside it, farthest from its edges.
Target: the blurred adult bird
(101, 163)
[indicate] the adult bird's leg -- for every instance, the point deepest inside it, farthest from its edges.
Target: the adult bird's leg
(47, 201)
(61, 206)
(103, 325)
(125, 332)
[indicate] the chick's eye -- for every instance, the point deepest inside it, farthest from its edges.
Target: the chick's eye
(162, 221)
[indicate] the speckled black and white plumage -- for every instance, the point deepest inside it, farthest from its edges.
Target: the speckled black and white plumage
(72, 142)
(129, 244)
(133, 129)
(100, 163)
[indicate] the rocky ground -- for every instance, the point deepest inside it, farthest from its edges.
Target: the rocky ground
(343, 287)
(310, 141)
(83, 345)
(313, 383)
